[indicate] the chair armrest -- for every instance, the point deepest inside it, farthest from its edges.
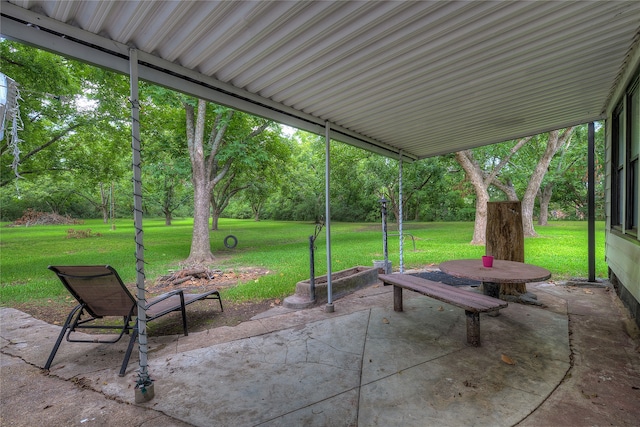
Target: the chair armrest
(168, 295)
(168, 307)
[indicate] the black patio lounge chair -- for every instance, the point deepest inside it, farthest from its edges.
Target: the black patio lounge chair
(101, 293)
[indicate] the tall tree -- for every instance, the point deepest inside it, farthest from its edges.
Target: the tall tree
(166, 169)
(555, 140)
(356, 177)
(302, 196)
(210, 165)
(202, 176)
(565, 184)
(254, 150)
(500, 168)
(166, 184)
(256, 195)
(481, 180)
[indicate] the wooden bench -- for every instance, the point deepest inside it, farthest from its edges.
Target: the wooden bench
(473, 303)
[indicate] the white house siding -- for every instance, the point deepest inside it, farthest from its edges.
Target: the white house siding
(623, 258)
(622, 250)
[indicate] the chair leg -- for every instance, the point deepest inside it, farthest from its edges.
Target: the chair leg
(215, 295)
(127, 355)
(65, 327)
(183, 309)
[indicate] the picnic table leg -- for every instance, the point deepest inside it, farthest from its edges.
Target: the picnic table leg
(473, 328)
(397, 298)
(491, 289)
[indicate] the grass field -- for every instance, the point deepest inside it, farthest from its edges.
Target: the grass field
(280, 247)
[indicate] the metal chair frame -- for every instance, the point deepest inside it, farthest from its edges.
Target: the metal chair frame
(76, 277)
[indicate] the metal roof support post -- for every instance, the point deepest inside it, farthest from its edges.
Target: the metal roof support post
(401, 218)
(144, 381)
(385, 246)
(327, 216)
(591, 201)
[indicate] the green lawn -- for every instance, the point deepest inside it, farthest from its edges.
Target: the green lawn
(281, 247)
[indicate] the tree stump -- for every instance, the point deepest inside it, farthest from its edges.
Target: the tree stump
(505, 239)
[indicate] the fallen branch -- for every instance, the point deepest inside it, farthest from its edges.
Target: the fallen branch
(181, 276)
(193, 272)
(181, 280)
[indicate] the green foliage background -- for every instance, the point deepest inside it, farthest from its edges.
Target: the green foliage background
(77, 141)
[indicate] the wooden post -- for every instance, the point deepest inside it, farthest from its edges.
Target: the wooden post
(505, 238)
(397, 298)
(473, 328)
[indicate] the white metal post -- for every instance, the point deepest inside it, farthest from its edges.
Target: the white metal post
(401, 218)
(327, 217)
(137, 217)
(591, 201)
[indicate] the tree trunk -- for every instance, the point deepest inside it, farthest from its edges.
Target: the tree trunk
(392, 204)
(104, 204)
(505, 238)
(256, 213)
(481, 181)
(416, 212)
(474, 174)
(216, 210)
(215, 216)
(207, 172)
(200, 246)
(480, 225)
(545, 199)
(507, 188)
(112, 211)
(554, 142)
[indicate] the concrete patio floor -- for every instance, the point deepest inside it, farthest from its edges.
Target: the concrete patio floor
(576, 362)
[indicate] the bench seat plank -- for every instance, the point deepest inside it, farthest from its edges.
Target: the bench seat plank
(473, 303)
(467, 300)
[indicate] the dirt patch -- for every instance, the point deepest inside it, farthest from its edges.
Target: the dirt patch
(201, 315)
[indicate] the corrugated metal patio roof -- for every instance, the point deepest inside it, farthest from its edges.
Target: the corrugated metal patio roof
(420, 77)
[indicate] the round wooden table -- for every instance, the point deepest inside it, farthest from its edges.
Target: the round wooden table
(491, 277)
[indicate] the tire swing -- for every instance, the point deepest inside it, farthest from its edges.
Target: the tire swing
(230, 241)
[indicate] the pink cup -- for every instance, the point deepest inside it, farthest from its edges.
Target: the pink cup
(487, 261)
